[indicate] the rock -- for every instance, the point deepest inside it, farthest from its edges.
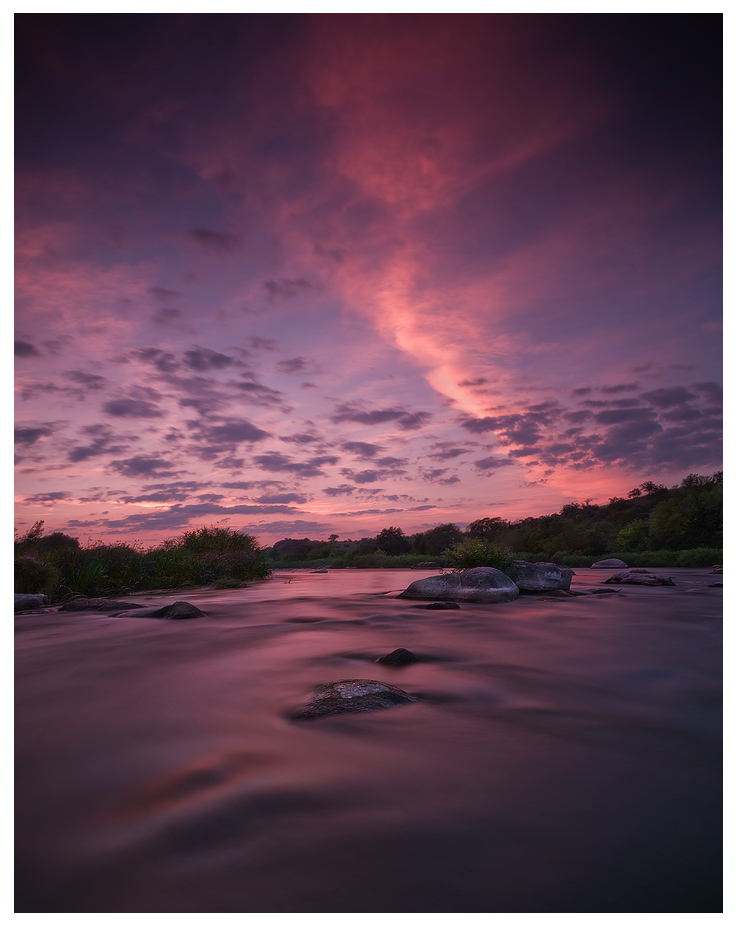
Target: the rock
(604, 592)
(632, 578)
(611, 564)
(427, 565)
(478, 584)
(715, 569)
(83, 604)
(714, 585)
(353, 695)
(26, 600)
(398, 657)
(175, 610)
(440, 605)
(540, 577)
(318, 571)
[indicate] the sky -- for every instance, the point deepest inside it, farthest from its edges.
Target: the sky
(303, 274)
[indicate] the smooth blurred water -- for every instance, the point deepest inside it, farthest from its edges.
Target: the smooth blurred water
(563, 755)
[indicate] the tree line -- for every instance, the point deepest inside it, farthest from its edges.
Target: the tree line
(652, 517)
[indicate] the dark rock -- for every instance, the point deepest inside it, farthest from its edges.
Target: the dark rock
(353, 695)
(318, 571)
(175, 610)
(24, 601)
(478, 584)
(83, 604)
(632, 578)
(603, 592)
(427, 565)
(714, 585)
(540, 577)
(398, 657)
(441, 605)
(715, 569)
(611, 564)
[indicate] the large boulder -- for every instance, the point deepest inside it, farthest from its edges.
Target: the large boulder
(611, 564)
(541, 577)
(355, 695)
(636, 578)
(478, 584)
(25, 601)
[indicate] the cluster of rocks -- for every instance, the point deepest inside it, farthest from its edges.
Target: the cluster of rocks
(176, 610)
(84, 604)
(487, 584)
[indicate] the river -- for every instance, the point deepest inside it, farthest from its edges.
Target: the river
(562, 756)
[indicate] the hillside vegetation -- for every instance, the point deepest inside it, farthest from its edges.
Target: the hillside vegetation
(652, 526)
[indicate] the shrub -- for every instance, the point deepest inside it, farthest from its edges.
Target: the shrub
(475, 552)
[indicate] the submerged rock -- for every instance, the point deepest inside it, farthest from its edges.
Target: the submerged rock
(83, 604)
(715, 569)
(541, 577)
(634, 578)
(611, 564)
(175, 610)
(26, 600)
(318, 571)
(353, 695)
(478, 584)
(427, 565)
(398, 657)
(440, 605)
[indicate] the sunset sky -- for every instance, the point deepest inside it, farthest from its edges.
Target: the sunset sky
(303, 274)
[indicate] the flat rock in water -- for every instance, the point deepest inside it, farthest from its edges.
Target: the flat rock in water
(440, 606)
(632, 578)
(398, 657)
(715, 569)
(426, 565)
(26, 600)
(82, 604)
(611, 564)
(175, 610)
(353, 695)
(479, 584)
(541, 577)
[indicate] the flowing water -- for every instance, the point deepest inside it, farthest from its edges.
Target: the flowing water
(562, 756)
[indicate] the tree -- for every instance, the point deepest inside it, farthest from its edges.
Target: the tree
(393, 541)
(440, 538)
(487, 529)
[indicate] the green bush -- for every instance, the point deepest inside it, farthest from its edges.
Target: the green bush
(475, 552)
